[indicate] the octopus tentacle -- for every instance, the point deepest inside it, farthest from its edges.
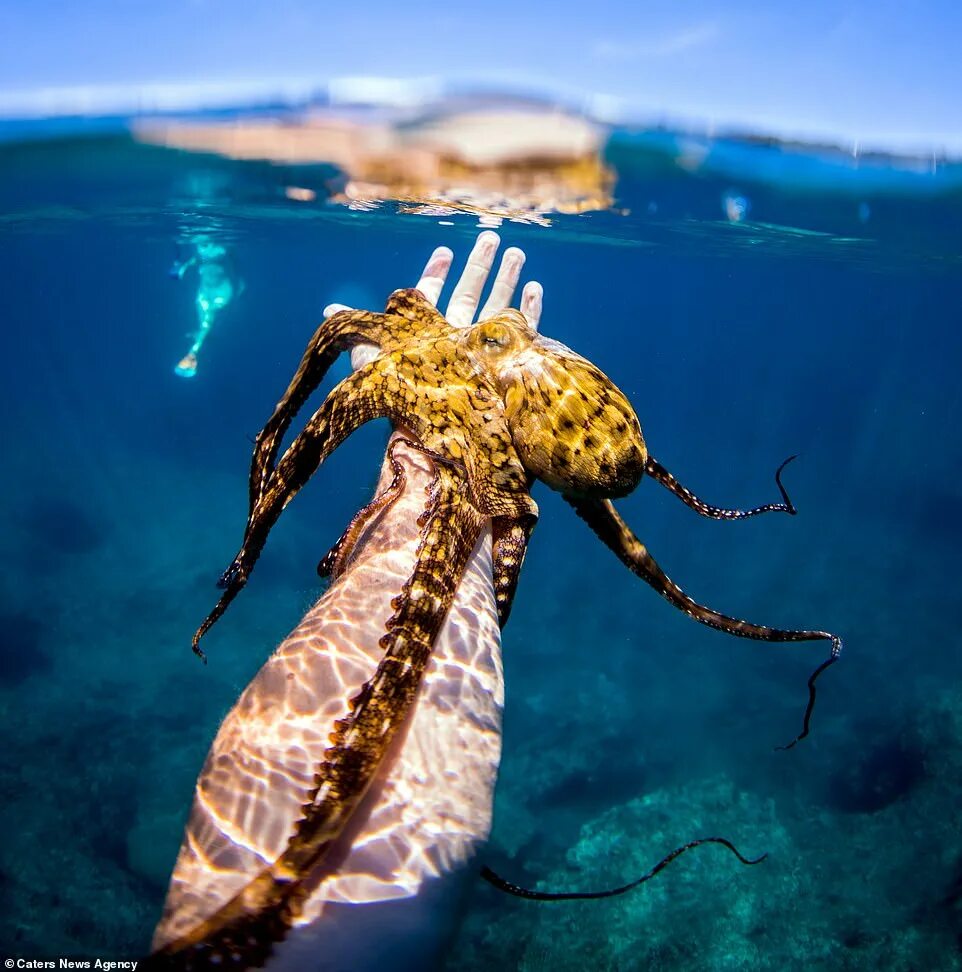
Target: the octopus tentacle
(502, 885)
(657, 471)
(602, 517)
(335, 560)
(501, 492)
(245, 929)
(509, 539)
(338, 333)
(352, 403)
(412, 305)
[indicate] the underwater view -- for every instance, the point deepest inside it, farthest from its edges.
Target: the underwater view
(748, 299)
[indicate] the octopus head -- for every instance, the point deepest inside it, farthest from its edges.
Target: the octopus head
(572, 427)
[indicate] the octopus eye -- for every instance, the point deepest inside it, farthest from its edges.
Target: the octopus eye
(492, 335)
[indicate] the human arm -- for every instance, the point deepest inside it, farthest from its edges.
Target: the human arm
(430, 805)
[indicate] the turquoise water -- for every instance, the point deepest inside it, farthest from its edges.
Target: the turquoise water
(753, 301)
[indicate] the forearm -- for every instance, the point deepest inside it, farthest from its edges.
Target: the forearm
(430, 804)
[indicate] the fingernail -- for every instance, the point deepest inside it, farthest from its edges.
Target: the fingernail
(440, 260)
(513, 261)
(531, 300)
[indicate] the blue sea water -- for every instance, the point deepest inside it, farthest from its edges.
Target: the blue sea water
(769, 300)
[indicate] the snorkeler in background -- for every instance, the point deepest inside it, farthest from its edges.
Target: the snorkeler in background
(217, 286)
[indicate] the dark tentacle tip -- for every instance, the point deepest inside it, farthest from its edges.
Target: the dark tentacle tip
(197, 650)
(791, 508)
(806, 721)
(508, 888)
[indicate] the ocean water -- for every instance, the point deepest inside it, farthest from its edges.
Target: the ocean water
(757, 302)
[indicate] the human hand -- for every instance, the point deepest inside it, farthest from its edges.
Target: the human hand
(462, 309)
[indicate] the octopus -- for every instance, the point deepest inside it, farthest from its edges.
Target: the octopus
(495, 407)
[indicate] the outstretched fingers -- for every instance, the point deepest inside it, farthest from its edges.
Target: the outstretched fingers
(505, 283)
(435, 274)
(532, 298)
(467, 292)
(463, 306)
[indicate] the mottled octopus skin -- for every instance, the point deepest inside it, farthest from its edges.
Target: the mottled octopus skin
(496, 406)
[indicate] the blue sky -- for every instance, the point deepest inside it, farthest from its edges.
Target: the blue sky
(882, 72)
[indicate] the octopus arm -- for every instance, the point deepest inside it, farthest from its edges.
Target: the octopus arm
(353, 402)
(510, 543)
(338, 333)
(612, 530)
(337, 558)
(412, 305)
(243, 932)
(657, 471)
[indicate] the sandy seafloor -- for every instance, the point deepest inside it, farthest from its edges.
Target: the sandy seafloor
(629, 729)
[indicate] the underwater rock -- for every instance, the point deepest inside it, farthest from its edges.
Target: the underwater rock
(939, 727)
(571, 784)
(704, 906)
(65, 889)
(798, 909)
(886, 771)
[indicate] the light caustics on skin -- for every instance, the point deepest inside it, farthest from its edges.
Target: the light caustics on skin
(494, 407)
(429, 805)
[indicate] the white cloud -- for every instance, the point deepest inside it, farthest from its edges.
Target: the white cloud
(668, 45)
